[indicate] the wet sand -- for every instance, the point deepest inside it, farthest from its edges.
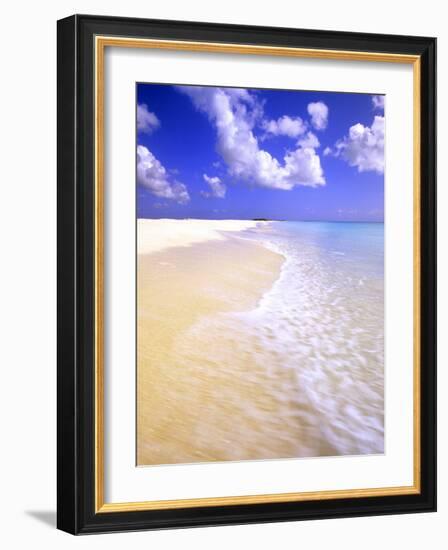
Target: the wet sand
(189, 412)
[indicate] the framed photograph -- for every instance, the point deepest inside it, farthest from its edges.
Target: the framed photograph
(246, 274)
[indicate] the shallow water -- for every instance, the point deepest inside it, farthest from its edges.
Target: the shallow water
(309, 356)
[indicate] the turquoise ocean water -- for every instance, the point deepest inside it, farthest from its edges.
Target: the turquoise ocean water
(325, 315)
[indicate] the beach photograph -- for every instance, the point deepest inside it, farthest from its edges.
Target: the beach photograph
(260, 274)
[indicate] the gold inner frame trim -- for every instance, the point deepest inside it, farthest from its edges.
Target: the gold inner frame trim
(101, 42)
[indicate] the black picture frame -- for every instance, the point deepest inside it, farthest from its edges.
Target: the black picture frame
(76, 512)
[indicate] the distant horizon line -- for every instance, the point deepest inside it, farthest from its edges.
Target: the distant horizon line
(259, 220)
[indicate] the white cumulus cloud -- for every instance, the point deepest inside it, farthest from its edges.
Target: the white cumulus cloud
(319, 115)
(217, 188)
(378, 102)
(309, 141)
(147, 122)
(364, 146)
(233, 112)
(154, 176)
(285, 126)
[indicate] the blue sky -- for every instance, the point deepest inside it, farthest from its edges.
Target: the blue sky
(233, 153)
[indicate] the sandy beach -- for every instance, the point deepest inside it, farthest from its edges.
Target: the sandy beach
(189, 412)
(157, 235)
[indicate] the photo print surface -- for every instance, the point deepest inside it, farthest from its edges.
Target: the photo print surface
(260, 274)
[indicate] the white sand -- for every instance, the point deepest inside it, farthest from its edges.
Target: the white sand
(156, 235)
(192, 407)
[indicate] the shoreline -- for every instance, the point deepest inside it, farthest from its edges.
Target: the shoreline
(245, 342)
